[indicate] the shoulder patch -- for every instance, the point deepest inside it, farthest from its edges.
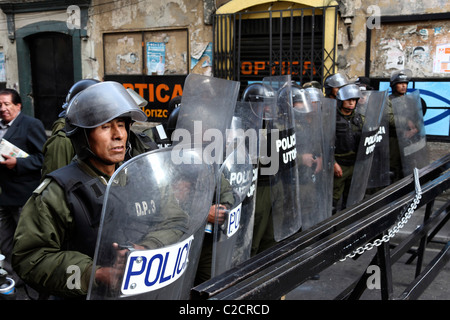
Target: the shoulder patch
(42, 186)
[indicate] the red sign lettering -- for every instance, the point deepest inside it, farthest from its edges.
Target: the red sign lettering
(159, 93)
(287, 67)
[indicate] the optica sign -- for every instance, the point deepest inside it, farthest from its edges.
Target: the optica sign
(287, 67)
(157, 90)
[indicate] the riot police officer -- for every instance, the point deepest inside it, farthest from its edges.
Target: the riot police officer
(54, 228)
(399, 84)
(309, 143)
(349, 126)
(263, 232)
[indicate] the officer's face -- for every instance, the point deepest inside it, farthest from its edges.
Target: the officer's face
(8, 110)
(401, 87)
(348, 106)
(299, 105)
(181, 189)
(108, 142)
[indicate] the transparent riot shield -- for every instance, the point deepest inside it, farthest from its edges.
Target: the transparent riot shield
(310, 159)
(207, 107)
(328, 111)
(410, 131)
(236, 175)
(152, 227)
(239, 172)
(282, 172)
(379, 171)
(372, 103)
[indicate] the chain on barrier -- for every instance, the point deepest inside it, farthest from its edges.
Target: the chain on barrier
(394, 230)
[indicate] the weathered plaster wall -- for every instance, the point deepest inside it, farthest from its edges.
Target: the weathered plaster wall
(361, 13)
(413, 45)
(158, 17)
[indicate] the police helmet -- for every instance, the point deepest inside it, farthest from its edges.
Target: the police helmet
(172, 121)
(363, 83)
(336, 80)
(258, 92)
(174, 103)
(312, 84)
(400, 76)
(173, 109)
(97, 105)
(349, 91)
(314, 94)
(262, 99)
(301, 100)
(74, 90)
(296, 92)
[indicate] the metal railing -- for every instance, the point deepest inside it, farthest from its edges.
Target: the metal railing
(280, 269)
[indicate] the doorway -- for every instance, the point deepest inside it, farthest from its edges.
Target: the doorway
(250, 44)
(52, 73)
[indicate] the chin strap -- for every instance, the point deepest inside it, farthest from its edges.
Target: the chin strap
(351, 110)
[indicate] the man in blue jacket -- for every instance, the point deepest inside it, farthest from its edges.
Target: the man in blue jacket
(18, 176)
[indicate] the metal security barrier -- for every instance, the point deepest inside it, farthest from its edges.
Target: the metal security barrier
(251, 45)
(280, 269)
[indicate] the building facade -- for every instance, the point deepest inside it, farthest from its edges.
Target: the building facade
(152, 45)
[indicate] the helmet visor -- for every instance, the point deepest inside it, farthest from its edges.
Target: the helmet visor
(347, 92)
(314, 94)
(337, 80)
